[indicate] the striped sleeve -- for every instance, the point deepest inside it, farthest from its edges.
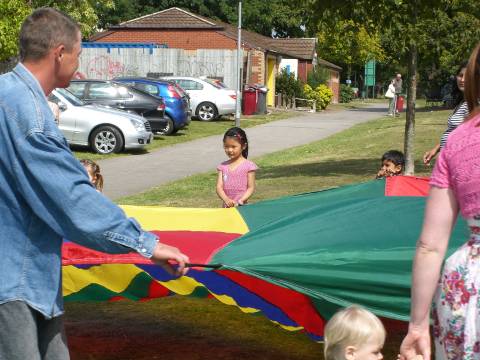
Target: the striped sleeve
(458, 116)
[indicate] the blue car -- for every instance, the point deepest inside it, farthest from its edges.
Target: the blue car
(177, 103)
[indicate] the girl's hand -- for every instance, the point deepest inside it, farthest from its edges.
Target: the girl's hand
(229, 202)
(240, 202)
(416, 345)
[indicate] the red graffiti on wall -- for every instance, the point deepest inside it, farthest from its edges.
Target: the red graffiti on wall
(104, 67)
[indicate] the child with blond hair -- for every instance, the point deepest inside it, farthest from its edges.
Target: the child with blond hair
(354, 333)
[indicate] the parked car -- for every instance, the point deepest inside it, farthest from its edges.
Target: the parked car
(177, 104)
(122, 97)
(105, 130)
(207, 100)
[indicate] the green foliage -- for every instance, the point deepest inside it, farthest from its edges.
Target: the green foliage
(346, 93)
(287, 84)
(12, 14)
(83, 11)
(322, 95)
(348, 42)
(318, 76)
(444, 32)
(282, 18)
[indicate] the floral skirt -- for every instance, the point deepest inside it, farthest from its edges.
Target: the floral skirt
(456, 309)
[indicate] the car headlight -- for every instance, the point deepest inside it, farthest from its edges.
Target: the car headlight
(138, 124)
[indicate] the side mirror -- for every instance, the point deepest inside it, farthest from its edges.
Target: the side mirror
(62, 106)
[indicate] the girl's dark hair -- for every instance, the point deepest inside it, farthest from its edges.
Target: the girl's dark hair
(457, 94)
(240, 136)
(94, 168)
(472, 82)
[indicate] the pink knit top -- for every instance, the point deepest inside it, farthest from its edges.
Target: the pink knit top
(235, 182)
(458, 167)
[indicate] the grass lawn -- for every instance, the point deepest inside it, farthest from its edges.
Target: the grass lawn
(205, 329)
(196, 129)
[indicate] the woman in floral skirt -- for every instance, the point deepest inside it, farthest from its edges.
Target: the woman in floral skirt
(455, 187)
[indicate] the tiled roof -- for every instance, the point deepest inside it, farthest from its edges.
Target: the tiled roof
(302, 48)
(173, 18)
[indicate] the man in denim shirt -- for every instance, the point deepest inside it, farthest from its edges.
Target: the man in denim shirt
(45, 195)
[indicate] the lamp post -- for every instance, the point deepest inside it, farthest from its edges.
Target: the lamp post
(239, 67)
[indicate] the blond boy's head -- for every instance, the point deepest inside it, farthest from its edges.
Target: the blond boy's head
(354, 333)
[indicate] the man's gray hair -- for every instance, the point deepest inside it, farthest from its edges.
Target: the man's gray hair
(45, 29)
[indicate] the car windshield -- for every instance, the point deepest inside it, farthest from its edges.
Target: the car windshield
(70, 97)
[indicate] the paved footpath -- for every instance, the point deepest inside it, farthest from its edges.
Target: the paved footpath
(136, 173)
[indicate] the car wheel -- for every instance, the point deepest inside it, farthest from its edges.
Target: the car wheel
(169, 126)
(106, 140)
(207, 111)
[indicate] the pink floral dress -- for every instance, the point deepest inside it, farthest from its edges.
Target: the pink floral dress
(456, 322)
(456, 309)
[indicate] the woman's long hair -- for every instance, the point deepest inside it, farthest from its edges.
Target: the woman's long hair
(457, 94)
(472, 81)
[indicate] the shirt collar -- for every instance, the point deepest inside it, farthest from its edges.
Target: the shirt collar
(26, 76)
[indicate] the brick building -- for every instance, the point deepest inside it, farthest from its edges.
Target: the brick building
(303, 58)
(177, 28)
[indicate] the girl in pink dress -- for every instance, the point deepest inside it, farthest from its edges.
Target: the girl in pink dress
(455, 188)
(236, 176)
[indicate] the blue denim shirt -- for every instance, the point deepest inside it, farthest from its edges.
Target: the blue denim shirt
(45, 195)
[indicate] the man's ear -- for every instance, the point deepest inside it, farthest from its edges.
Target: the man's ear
(58, 52)
(350, 352)
(398, 169)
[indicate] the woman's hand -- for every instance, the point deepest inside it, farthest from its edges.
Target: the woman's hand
(416, 344)
(429, 155)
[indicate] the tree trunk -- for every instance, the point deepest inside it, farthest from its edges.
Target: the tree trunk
(410, 122)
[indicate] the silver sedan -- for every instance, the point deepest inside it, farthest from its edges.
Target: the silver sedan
(105, 130)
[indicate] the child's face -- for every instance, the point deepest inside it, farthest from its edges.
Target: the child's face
(389, 168)
(233, 148)
(371, 350)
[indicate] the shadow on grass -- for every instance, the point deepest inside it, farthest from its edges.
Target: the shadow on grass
(379, 108)
(324, 168)
(88, 152)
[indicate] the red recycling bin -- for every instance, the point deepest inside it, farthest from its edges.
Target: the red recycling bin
(249, 101)
(400, 102)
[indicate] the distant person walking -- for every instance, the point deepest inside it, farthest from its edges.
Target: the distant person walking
(390, 95)
(45, 195)
(397, 83)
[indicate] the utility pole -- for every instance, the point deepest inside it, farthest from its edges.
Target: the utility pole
(238, 104)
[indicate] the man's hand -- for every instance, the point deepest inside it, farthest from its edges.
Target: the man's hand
(162, 254)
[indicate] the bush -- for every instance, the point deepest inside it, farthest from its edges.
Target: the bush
(346, 93)
(322, 95)
(287, 85)
(317, 77)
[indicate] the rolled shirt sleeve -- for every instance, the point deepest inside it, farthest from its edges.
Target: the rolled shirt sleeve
(57, 189)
